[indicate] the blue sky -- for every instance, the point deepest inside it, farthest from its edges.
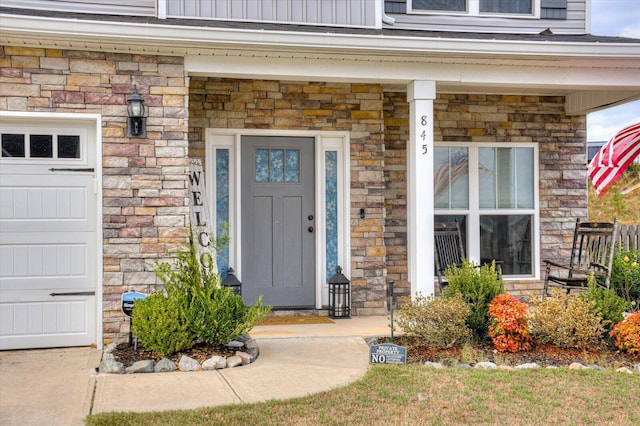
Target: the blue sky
(616, 18)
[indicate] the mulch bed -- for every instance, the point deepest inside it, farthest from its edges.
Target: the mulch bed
(544, 355)
(201, 352)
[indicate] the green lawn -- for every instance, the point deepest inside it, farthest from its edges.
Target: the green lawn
(415, 395)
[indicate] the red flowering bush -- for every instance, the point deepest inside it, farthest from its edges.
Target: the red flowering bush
(509, 328)
(627, 334)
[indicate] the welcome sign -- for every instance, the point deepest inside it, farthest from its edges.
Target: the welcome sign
(200, 217)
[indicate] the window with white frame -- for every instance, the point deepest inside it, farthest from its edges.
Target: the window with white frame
(491, 191)
(477, 7)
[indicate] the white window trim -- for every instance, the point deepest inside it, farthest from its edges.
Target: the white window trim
(325, 141)
(473, 9)
(474, 211)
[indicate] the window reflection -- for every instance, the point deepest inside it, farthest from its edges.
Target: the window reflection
(507, 238)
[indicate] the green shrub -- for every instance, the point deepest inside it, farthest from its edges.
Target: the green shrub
(625, 276)
(478, 286)
(566, 321)
(158, 323)
(437, 323)
(607, 302)
(202, 310)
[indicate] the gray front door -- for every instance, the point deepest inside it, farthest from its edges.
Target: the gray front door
(278, 220)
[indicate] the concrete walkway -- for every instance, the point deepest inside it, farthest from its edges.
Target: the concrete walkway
(294, 361)
(47, 386)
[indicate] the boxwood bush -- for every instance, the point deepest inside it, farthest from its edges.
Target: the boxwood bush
(192, 307)
(436, 322)
(478, 285)
(567, 322)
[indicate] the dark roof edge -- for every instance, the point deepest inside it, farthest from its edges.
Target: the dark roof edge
(390, 32)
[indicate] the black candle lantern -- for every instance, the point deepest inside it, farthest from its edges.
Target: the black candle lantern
(339, 295)
(232, 282)
(136, 127)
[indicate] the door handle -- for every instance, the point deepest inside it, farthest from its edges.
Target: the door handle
(310, 229)
(74, 293)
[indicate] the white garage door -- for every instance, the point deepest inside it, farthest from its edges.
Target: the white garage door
(47, 234)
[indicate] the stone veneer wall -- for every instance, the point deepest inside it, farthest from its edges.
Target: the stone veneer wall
(497, 118)
(396, 135)
(144, 182)
(356, 108)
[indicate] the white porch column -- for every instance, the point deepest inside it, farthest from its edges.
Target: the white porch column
(420, 95)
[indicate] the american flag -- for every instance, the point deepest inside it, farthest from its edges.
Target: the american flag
(614, 157)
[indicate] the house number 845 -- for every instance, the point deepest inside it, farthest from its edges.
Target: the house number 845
(423, 135)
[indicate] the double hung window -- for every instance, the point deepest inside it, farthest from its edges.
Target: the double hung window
(476, 7)
(491, 191)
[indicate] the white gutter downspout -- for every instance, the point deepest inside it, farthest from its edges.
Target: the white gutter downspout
(587, 21)
(381, 17)
(162, 9)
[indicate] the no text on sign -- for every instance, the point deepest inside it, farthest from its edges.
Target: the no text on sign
(387, 353)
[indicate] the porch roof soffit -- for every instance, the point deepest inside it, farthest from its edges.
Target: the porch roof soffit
(473, 65)
(118, 34)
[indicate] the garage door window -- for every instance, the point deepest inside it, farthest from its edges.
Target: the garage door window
(15, 145)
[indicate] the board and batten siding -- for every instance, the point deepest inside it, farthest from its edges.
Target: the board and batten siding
(561, 16)
(347, 13)
(110, 7)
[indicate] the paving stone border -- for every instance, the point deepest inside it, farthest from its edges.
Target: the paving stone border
(247, 351)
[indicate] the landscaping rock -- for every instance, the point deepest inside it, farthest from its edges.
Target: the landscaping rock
(435, 365)
(551, 367)
(595, 367)
(110, 348)
(624, 370)
(235, 344)
(244, 338)
(215, 363)
(145, 366)
(637, 368)
(234, 361)
(246, 358)
(371, 340)
(110, 365)
(505, 368)
(188, 364)
(528, 366)
(251, 347)
(165, 365)
(486, 366)
(463, 366)
(576, 366)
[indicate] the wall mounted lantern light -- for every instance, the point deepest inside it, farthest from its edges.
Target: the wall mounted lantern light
(137, 122)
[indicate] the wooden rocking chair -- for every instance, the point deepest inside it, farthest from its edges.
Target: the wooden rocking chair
(449, 249)
(592, 253)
